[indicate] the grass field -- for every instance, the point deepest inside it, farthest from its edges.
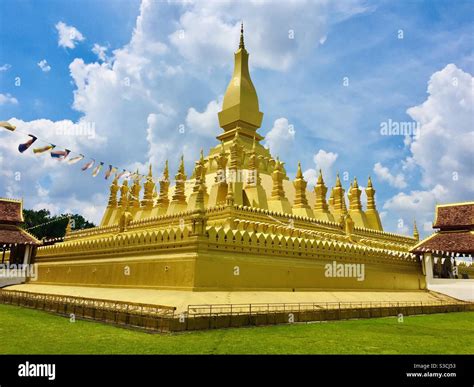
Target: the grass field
(27, 331)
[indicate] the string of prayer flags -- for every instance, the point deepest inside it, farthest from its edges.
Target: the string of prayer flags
(88, 165)
(44, 148)
(97, 169)
(109, 171)
(7, 125)
(24, 146)
(124, 173)
(60, 154)
(75, 160)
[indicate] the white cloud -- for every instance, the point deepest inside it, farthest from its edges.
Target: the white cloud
(69, 36)
(205, 123)
(324, 161)
(280, 136)
(5, 67)
(72, 205)
(138, 98)
(40, 178)
(44, 66)
(442, 154)
(7, 99)
(383, 173)
(418, 204)
(100, 51)
(207, 35)
(443, 151)
(41, 191)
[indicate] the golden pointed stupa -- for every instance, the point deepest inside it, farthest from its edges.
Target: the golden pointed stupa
(238, 209)
(240, 106)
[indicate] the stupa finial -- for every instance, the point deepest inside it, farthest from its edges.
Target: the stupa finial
(369, 183)
(299, 172)
(320, 177)
(240, 104)
(166, 173)
(241, 44)
(416, 234)
(181, 165)
(356, 184)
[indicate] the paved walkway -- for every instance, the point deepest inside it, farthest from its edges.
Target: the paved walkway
(181, 299)
(460, 289)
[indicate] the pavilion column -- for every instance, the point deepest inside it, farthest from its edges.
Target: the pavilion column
(428, 266)
(26, 257)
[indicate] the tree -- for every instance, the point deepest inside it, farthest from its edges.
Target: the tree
(43, 225)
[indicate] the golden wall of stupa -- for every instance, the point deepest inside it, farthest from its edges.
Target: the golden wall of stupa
(237, 223)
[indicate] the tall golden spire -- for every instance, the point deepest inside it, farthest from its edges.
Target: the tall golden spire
(113, 193)
(371, 212)
(321, 209)
(355, 206)
(240, 107)
(278, 201)
(354, 196)
(416, 234)
(149, 187)
(320, 190)
(123, 203)
(163, 199)
(134, 194)
(300, 204)
(178, 200)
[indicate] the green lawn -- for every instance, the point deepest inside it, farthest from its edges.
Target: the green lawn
(27, 331)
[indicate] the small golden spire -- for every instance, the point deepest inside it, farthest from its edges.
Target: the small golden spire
(166, 172)
(369, 183)
(416, 234)
(181, 165)
(356, 185)
(236, 136)
(299, 173)
(149, 171)
(320, 177)
(338, 181)
(241, 44)
(68, 226)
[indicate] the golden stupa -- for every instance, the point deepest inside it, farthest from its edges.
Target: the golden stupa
(238, 223)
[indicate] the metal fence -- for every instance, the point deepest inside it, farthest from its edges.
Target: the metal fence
(269, 308)
(148, 316)
(208, 316)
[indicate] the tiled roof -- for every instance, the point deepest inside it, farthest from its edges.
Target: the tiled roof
(455, 216)
(11, 234)
(448, 242)
(11, 211)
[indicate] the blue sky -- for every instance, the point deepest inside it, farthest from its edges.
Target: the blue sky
(177, 58)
